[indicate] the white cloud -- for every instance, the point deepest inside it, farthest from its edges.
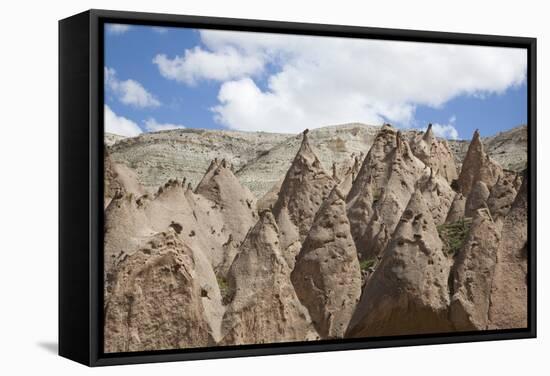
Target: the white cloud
(119, 124)
(197, 64)
(160, 30)
(129, 91)
(117, 28)
(308, 82)
(447, 131)
(153, 126)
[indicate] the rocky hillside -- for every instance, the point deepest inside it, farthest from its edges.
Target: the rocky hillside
(508, 148)
(110, 139)
(367, 231)
(260, 160)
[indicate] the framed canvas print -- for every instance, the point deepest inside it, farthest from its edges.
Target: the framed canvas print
(238, 187)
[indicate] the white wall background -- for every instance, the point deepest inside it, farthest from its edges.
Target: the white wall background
(28, 186)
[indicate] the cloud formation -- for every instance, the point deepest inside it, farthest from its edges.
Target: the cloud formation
(447, 131)
(197, 64)
(117, 28)
(119, 124)
(287, 83)
(129, 92)
(160, 29)
(151, 125)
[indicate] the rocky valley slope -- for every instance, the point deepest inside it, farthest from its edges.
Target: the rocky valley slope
(260, 159)
(367, 232)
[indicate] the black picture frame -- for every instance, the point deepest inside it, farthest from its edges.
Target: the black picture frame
(81, 185)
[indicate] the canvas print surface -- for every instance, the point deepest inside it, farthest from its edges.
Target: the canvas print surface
(269, 188)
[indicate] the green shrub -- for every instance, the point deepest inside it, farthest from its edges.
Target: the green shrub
(453, 235)
(224, 288)
(365, 264)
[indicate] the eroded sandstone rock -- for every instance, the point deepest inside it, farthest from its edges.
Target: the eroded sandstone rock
(305, 187)
(508, 306)
(435, 153)
(263, 305)
(156, 300)
(327, 278)
(472, 274)
(501, 198)
(119, 180)
(477, 198)
(477, 166)
(236, 206)
(128, 221)
(408, 292)
(381, 191)
(457, 209)
(438, 195)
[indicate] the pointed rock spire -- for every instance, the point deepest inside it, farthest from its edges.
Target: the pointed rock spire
(327, 277)
(373, 171)
(407, 294)
(259, 280)
(428, 136)
(477, 166)
(387, 180)
(119, 179)
(508, 304)
(124, 221)
(236, 204)
(305, 187)
(437, 194)
(472, 274)
(435, 153)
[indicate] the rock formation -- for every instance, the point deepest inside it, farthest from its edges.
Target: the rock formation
(345, 174)
(327, 278)
(156, 300)
(476, 199)
(262, 159)
(435, 153)
(472, 274)
(263, 305)
(438, 195)
(501, 198)
(235, 203)
(201, 222)
(381, 191)
(408, 292)
(508, 305)
(390, 244)
(374, 170)
(477, 166)
(126, 224)
(457, 209)
(119, 180)
(304, 189)
(112, 186)
(268, 200)
(129, 220)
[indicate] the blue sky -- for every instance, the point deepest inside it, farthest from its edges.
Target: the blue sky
(162, 78)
